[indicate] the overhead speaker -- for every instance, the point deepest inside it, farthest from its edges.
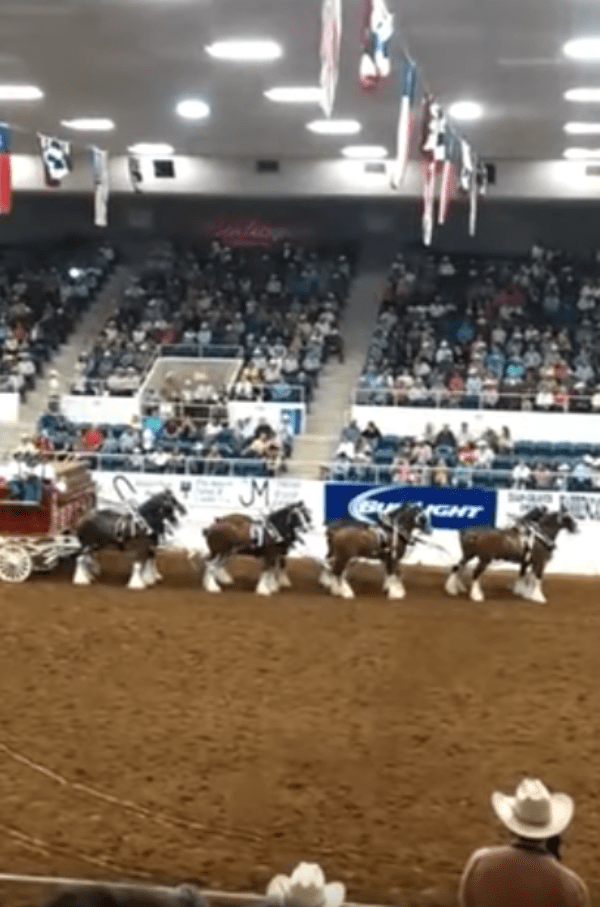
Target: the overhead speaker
(375, 167)
(267, 166)
(491, 174)
(164, 169)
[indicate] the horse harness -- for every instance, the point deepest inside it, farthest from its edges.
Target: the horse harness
(262, 532)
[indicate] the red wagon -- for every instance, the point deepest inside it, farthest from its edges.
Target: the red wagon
(34, 537)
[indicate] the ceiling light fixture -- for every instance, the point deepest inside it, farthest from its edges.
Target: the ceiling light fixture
(584, 49)
(152, 148)
(20, 93)
(365, 152)
(245, 51)
(583, 95)
(334, 127)
(582, 128)
(466, 111)
(295, 95)
(582, 154)
(89, 124)
(193, 109)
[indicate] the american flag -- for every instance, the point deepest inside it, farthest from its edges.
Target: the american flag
(331, 37)
(5, 170)
(466, 166)
(408, 89)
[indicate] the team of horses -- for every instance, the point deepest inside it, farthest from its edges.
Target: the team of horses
(141, 529)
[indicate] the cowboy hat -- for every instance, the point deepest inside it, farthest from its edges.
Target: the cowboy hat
(306, 887)
(533, 812)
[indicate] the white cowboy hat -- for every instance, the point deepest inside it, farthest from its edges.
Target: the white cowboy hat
(306, 887)
(534, 812)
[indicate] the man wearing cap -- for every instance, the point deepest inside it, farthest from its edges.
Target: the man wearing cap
(525, 872)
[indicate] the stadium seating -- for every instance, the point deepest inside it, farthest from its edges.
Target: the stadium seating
(277, 312)
(483, 459)
(513, 334)
(43, 293)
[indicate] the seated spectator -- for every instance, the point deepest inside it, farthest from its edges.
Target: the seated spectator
(371, 433)
(524, 872)
(521, 475)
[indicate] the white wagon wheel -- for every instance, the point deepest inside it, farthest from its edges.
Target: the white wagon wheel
(15, 563)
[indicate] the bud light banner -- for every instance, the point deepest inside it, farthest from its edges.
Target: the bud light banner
(448, 508)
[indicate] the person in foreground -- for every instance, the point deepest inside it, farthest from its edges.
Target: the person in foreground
(525, 872)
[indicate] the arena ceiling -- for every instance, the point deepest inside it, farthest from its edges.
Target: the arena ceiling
(132, 60)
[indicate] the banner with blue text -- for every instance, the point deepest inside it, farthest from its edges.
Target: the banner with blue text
(448, 508)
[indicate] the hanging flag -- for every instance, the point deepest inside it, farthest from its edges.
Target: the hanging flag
(479, 182)
(378, 28)
(449, 168)
(433, 150)
(135, 172)
(466, 167)
(408, 91)
(56, 158)
(101, 187)
(331, 37)
(5, 170)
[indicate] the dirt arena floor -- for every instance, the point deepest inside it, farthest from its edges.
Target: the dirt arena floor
(171, 735)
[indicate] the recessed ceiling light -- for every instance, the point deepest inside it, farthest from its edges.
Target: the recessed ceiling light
(152, 148)
(295, 95)
(581, 154)
(586, 49)
(245, 51)
(89, 124)
(582, 128)
(365, 152)
(465, 111)
(583, 95)
(20, 93)
(334, 127)
(193, 109)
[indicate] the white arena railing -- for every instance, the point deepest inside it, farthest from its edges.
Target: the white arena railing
(559, 403)
(459, 476)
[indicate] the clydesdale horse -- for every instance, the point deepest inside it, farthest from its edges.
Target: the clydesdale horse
(530, 543)
(385, 543)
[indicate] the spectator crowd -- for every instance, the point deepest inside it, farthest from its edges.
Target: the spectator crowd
(520, 334)
(278, 311)
(43, 293)
(442, 457)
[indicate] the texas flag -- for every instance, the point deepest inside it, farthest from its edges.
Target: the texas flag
(5, 170)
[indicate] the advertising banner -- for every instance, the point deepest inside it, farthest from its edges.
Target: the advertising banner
(448, 508)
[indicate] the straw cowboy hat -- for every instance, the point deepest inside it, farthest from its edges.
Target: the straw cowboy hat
(306, 887)
(534, 812)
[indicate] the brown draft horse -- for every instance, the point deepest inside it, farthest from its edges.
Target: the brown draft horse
(384, 543)
(530, 544)
(269, 539)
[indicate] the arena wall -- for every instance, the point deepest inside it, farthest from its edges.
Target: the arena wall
(524, 425)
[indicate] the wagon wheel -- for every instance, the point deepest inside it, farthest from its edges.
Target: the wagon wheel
(15, 563)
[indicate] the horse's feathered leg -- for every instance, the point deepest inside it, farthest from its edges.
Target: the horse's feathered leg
(267, 582)
(476, 592)
(83, 575)
(454, 584)
(394, 586)
(136, 580)
(209, 579)
(222, 574)
(283, 580)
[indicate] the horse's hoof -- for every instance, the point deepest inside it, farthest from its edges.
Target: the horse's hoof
(284, 581)
(224, 577)
(536, 596)
(476, 593)
(346, 591)
(394, 587)
(520, 588)
(326, 580)
(452, 585)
